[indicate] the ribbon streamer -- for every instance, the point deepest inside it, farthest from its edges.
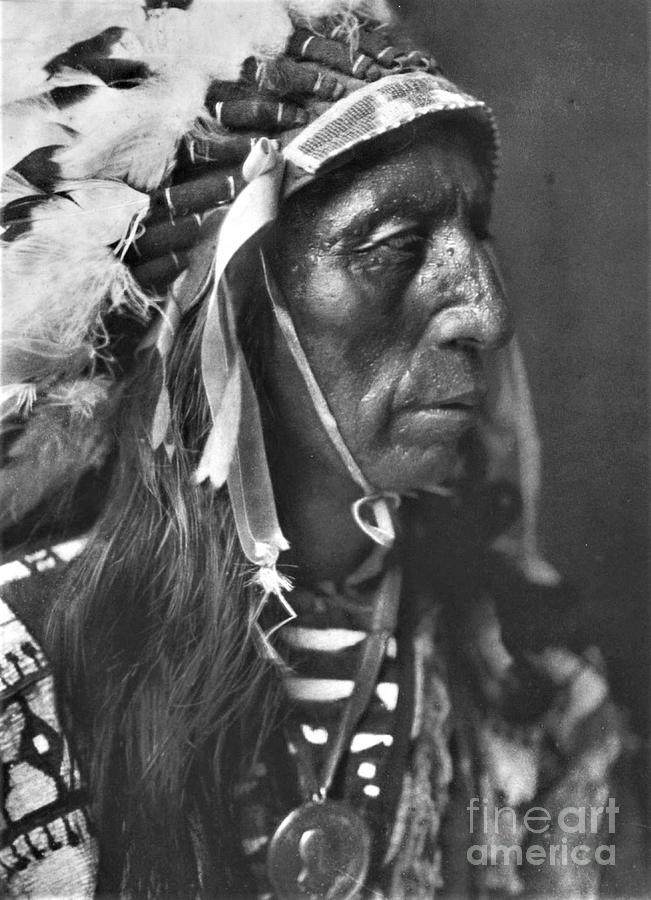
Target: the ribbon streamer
(382, 532)
(235, 451)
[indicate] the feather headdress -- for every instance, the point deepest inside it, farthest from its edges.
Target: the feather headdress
(94, 154)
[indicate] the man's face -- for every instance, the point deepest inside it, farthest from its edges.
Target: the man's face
(388, 279)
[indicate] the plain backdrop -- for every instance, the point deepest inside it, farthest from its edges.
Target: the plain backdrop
(568, 82)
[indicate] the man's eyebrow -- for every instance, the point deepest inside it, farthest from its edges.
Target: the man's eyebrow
(432, 203)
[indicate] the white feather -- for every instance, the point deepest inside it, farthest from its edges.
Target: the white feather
(104, 208)
(216, 36)
(60, 276)
(67, 434)
(57, 284)
(37, 122)
(112, 133)
(34, 31)
(15, 187)
(26, 126)
(134, 134)
(16, 400)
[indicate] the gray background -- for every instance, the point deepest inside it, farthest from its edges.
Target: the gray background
(568, 82)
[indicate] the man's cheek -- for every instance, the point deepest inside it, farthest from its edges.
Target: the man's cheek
(328, 300)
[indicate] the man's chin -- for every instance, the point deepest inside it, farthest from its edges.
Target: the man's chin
(434, 471)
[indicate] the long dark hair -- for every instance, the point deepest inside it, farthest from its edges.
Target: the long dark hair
(154, 645)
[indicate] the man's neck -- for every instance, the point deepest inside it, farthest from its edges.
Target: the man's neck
(313, 488)
(314, 498)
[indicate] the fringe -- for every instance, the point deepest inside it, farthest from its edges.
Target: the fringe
(272, 583)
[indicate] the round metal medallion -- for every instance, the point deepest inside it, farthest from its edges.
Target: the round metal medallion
(319, 851)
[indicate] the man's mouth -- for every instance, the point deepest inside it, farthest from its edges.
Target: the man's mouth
(448, 416)
(464, 401)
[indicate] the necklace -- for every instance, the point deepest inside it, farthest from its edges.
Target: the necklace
(321, 850)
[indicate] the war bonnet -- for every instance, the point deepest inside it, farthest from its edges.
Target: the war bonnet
(117, 139)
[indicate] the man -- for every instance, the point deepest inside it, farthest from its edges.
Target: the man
(315, 428)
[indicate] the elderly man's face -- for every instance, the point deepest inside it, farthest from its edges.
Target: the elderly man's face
(386, 273)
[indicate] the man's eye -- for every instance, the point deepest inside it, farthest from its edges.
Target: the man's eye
(412, 242)
(402, 245)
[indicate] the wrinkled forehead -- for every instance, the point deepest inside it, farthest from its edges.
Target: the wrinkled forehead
(333, 137)
(425, 169)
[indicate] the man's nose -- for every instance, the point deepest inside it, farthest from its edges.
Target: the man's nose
(475, 311)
